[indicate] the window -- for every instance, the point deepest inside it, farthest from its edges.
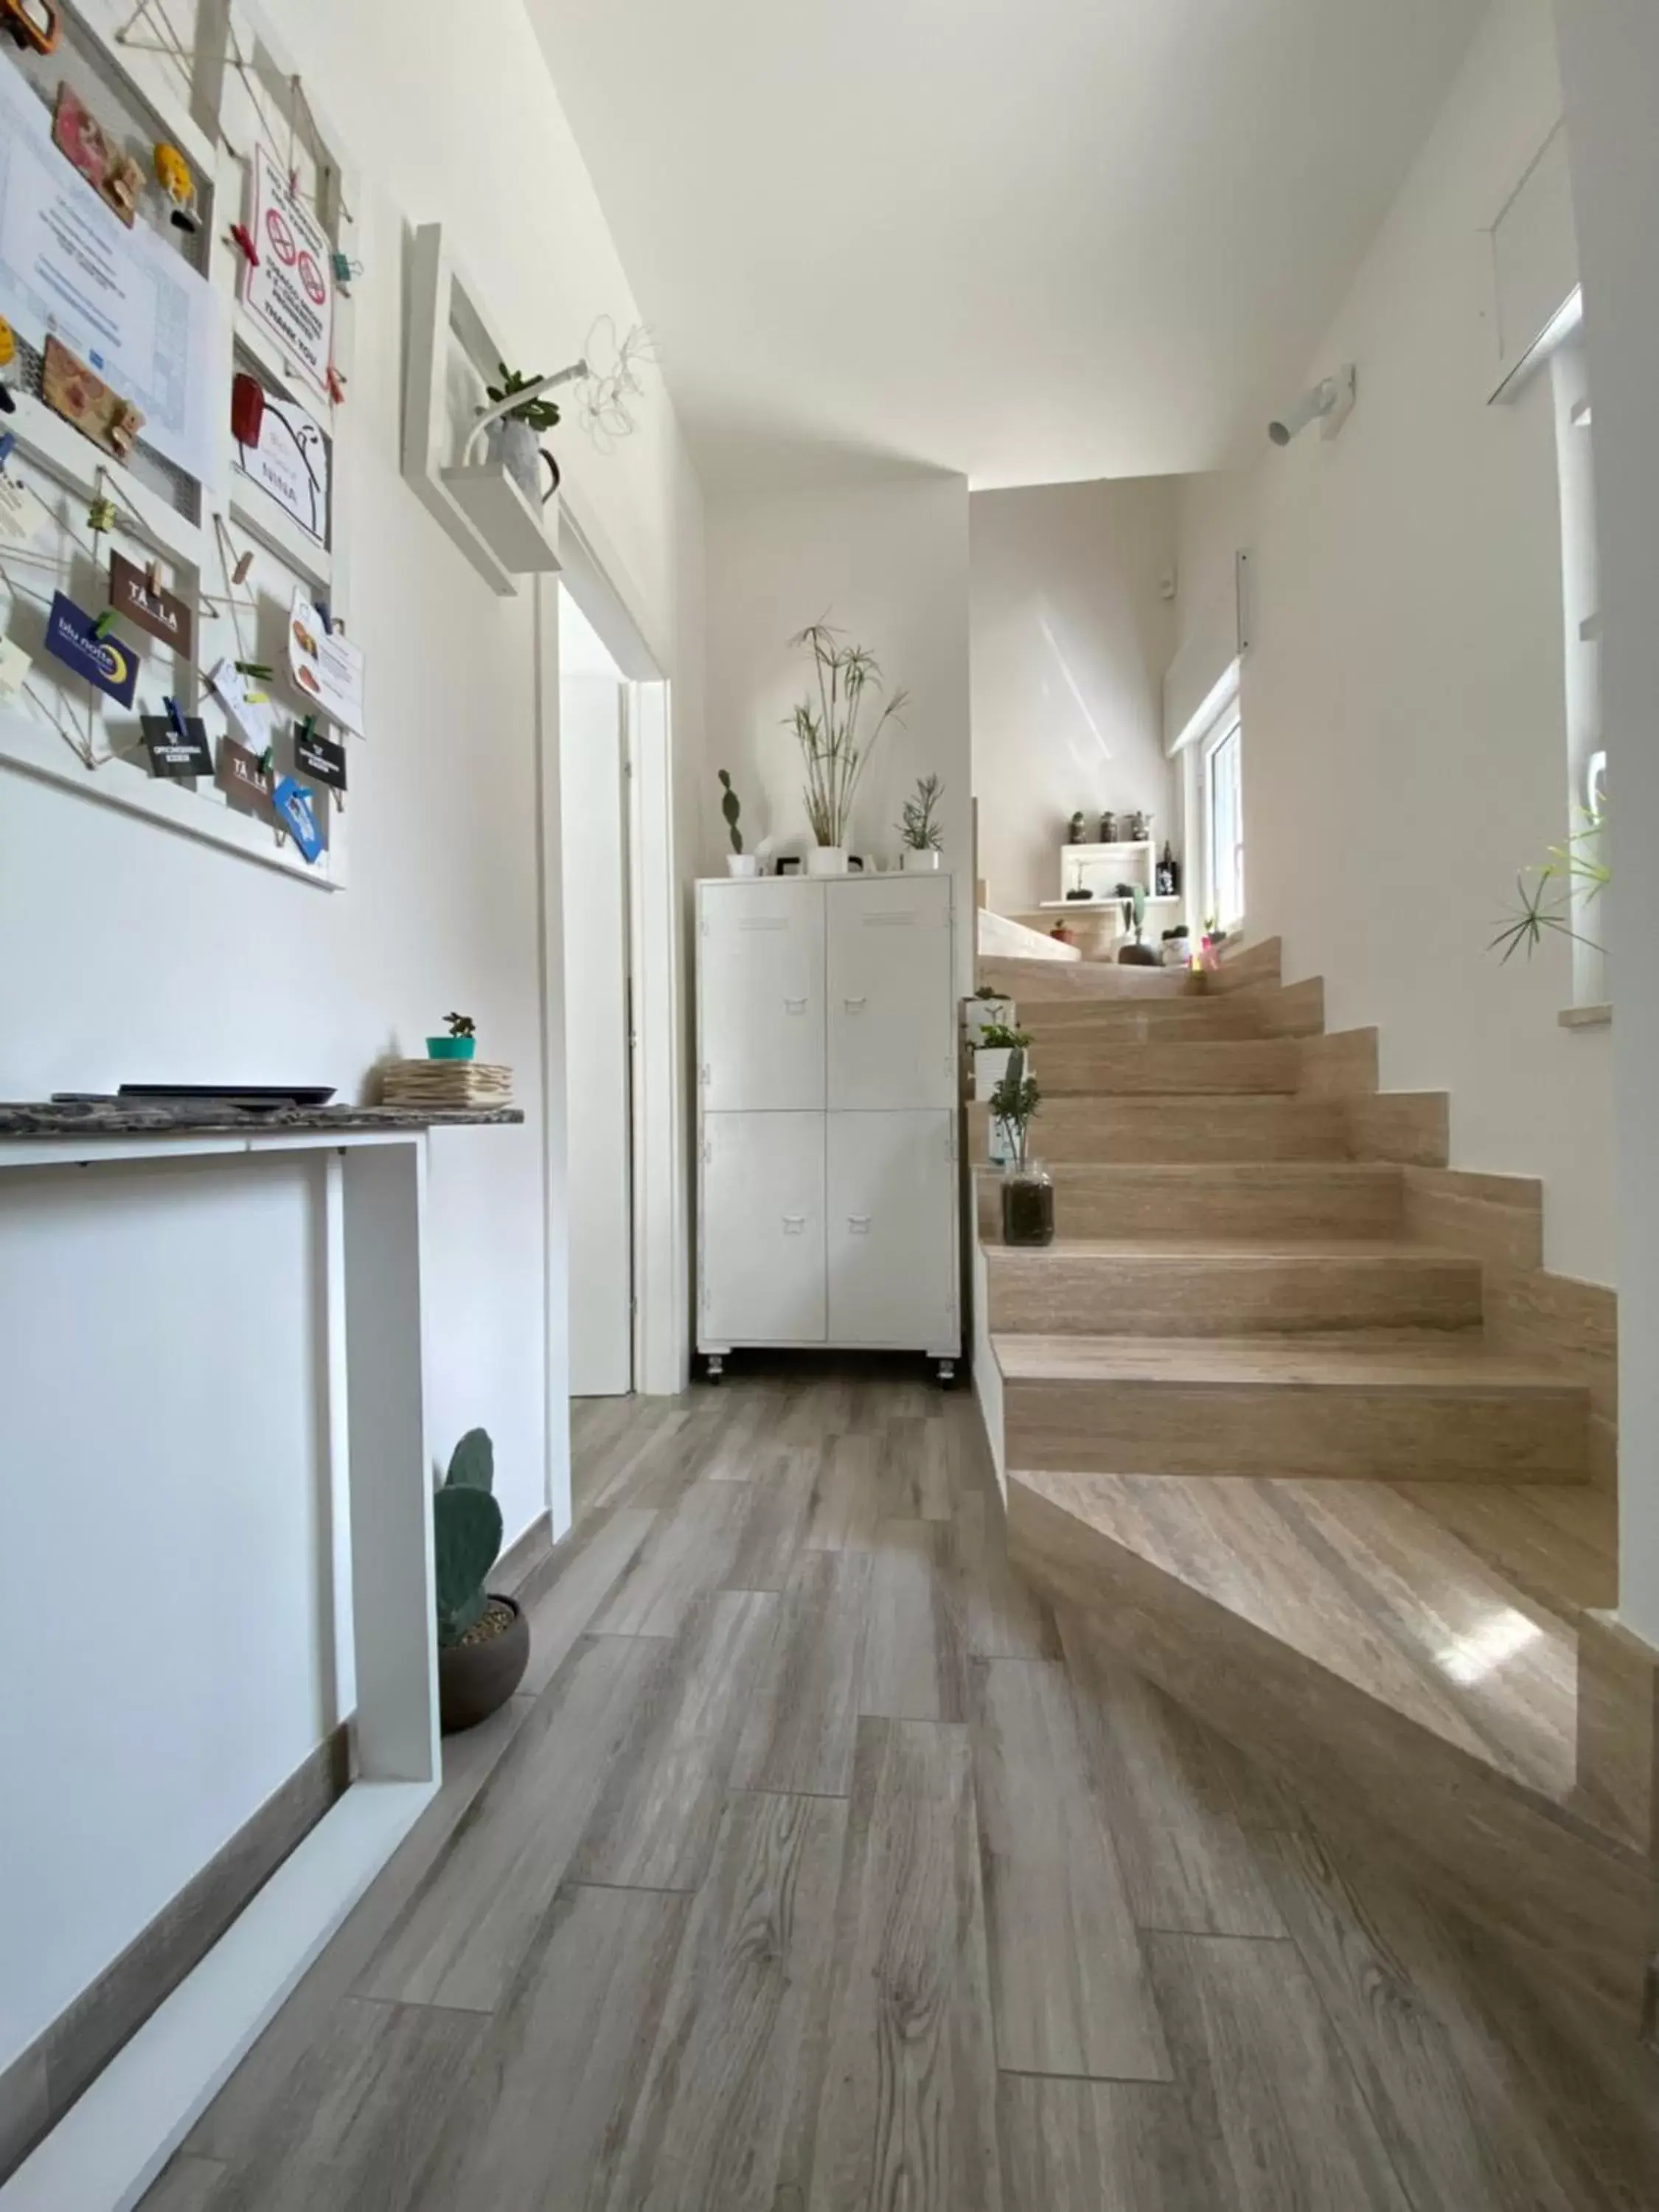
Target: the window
(1224, 825)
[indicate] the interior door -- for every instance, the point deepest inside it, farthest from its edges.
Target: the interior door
(891, 1013)
(760, 968)
(762, 1230)
(599, 1106)
(890, 1199)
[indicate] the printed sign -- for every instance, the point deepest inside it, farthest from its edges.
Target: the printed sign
(15, 665)
(291, 462)
(295, 812)
(321, 757)
(159, 612)
(247, 708)
(326, 669)
(242, 779)
(104, 661)
(173, 752)
(292, 290)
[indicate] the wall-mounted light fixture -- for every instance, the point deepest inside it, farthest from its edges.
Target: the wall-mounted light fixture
(1329, 403)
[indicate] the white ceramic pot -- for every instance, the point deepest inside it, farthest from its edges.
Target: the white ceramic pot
(919, 864)
(826, 859)
(742, 864)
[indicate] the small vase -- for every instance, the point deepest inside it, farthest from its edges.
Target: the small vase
(923, 863)
(450, 1048)
(826, 860)
(742, 864)
(1028, 1205)
(513, 445)
(990, 1066)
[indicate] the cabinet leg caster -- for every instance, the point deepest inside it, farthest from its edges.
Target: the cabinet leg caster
(947, 1373)
(716, 1365)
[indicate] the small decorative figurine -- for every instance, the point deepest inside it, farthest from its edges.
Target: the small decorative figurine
(1108, 828)
(178, 182)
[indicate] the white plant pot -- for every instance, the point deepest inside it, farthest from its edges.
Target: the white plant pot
(990, 1066)
(742, 864)
(919, 864)
(826, 859)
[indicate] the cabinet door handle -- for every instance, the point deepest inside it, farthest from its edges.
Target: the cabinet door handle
(794, 1006)
(854, 1005)
(858, 1224)
(793, 1224)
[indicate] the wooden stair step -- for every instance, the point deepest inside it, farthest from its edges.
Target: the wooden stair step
(1358, 1643)
(1185, 1129)
(1178, 1068)
(1384, 1405)
(1150, 1286)
(1033, 981)
(1144, 1021)
(1286, 1199)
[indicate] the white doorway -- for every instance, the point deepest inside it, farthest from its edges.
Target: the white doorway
(594, 702)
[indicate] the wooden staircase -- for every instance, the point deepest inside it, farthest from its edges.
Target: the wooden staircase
(1258, 1430)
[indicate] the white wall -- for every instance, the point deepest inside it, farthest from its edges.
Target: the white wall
(1404, 695)
(886, 560)
(134, 953)
(1610, 69)
(1072, 633)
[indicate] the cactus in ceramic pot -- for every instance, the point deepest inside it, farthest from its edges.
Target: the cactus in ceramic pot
(467, 1534)
(732, 808)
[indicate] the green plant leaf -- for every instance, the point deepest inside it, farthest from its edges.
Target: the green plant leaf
(466, 1530)
(473, 1462)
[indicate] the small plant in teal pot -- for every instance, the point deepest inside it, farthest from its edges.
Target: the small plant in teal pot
(484, 1640)
(461, 1042)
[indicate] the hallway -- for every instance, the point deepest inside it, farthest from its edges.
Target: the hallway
(817, 1866)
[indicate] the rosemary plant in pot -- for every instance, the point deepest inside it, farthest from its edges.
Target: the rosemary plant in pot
(921, 835)
(484, 1641)
(834, 752)
(1027, 1190)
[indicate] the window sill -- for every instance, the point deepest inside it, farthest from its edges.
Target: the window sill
(1586, 1018)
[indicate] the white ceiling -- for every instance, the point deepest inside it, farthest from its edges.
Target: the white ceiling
(1078, 239)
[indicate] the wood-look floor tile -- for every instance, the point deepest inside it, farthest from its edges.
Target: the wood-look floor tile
(907, 2112)
(1069, 1989)
(1179, 1803)
(802, 1716)
(370, 2107)
(185, 2184)
(653, 1439)
(780, 1499)
(569, 1591)
(688, 1551)
(466, 1931)
(1267, 2080)
(842, 1515)
(1002, 1616)
(541, 2122)
(709, 2125)
(654, 1823)
(914, 1664)
(1102, 2146)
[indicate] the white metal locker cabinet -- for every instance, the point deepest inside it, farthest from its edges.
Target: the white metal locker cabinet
(760, 1000)
(892, 1008)
(890, 1196)
(761, 1279)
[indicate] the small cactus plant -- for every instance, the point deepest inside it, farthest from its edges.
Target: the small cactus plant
(731, 807)
(467, 1534)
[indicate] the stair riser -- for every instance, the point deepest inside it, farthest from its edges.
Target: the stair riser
(1034, 982)
(1054, 1293)
(1149, 1021)
(1147, 1131)
(1137, 1070)
(1222, 1201)
(1487, 1842)
(1353, 1434)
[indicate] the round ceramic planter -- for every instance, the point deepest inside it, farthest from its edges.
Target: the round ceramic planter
(919, 864)
(742, 864)
(474, 1679)
(1138, 956)
(451, 1047)
(826, 859)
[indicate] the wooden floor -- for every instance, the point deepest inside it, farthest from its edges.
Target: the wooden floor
(820, 1867)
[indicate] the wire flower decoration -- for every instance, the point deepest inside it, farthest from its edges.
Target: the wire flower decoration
(612, 384)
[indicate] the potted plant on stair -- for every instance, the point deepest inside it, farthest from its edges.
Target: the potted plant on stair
(738, 862)
(998, 1044)
(1137, 953)
(484, 1640)
(1027, 1190)
(833, 753)
(921, 835)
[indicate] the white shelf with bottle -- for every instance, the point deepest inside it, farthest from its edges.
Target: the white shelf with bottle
(1101, 868)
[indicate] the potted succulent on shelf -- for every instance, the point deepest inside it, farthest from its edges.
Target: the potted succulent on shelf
(738, 862)
(461, 1042)
(1027, 1190)
(511, 438)
(832, 752)
(1137, 953)
(484, 1641)
(921, 835)
(998, 1044)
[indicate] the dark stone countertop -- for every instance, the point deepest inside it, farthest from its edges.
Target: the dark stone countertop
(204, 1117)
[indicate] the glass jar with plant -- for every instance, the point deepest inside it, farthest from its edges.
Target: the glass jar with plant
(1027, 1190)
(512, 438)
(998, 1044)
(922, 833)
(833, 752)
(738, 862)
